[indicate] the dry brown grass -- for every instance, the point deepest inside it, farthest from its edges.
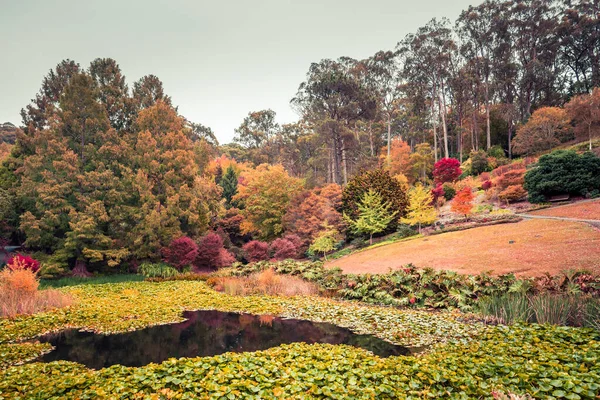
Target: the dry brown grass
(265, 282)
(19, 294)
(527, 248)
(582, 210)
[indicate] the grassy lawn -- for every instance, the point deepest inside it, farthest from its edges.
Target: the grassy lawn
(471, 360)
(581, 210)
(527, 248)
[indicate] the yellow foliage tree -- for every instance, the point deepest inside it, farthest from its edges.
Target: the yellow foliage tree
(420, 210)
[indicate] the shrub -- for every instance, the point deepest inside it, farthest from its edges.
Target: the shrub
(449, 191)
(563, 172)
(507, 309)
(446, 170)
(282, 248)
(181, 253)
(211, 253)
(496, 152)
(225, 259)
(256, 250)
(512, 193)
(437, 193)
(486, 185)
(19, 293)
(479, 162)
(157, 270)
(19, 261)
(510, 178)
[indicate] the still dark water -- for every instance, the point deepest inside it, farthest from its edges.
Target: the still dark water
(204, 333)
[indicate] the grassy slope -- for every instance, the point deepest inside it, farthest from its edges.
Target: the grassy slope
(538, 246)
(580, 210)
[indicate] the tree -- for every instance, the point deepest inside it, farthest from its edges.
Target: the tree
(381, 182)
(229, 183)
(463, 202)
(265, 194)
(446, 170)
(374, 215)
(547, 128)
(420, 209)
(325, 240)
(202, 132)
(584, 110)
(422, 162)
(256, 250)
(113, 92)
(333, 97)
(310, 211)
(148, 91)
(181, 253)
(398, 160)
(257, 129)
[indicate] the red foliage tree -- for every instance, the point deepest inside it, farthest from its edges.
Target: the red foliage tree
(209, 252)
(282, 249)
(446, 170)
(181, 253)
(437, 193)
(463, 202)
(256, 250)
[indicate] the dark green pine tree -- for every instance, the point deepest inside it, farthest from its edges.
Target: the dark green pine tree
(229, 183)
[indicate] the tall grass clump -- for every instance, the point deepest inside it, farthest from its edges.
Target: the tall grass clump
(507, 309)
(553, 308)
(264, 282)
(19, 293)
(157, 270)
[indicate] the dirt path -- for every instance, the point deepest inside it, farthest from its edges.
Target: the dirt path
(531, 216)
(585, 210)
(529, 248)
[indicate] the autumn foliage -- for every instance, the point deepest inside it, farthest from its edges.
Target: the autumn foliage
(256, 250)
(211, 253)
(547, 128)
(181, 253)
(463, 202)
(446, 170)
(19, 261)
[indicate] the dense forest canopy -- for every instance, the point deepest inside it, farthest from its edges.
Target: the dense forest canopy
(106, 174)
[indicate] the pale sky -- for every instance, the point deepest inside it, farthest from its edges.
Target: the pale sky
(217, 59)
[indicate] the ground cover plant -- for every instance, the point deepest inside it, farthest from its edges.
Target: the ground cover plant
(477, 360)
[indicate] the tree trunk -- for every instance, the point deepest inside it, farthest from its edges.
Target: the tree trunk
(344, 162)
(371, 238)
(371, 139)
(487, 115)
(389, 136)
(434, 129)
(442, 100)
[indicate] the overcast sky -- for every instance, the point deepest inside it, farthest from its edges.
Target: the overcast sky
(217, 59)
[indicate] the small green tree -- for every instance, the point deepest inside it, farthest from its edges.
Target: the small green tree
(325, 240)
(374, 215)
(420, 208)
(229, 183)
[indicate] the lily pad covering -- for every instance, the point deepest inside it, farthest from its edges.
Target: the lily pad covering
(471, 360)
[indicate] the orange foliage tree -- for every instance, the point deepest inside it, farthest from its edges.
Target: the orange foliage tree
(399, 162)
(310, 211)
(463, 202)
(584, 110)
(547, 128)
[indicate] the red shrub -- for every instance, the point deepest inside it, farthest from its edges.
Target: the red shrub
(19, 261)
(485, 176)
(446, 170)
(209, 252)
(282, 249)
(256, 251)
(486, 185)
(181, 253)
(437, 192)
(225, 259)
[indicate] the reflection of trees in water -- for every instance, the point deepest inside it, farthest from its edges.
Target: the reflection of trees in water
(204, 333)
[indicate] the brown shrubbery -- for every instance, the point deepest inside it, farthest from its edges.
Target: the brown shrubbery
(19, 293)
(264, 282)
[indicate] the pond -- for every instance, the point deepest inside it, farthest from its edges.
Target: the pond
(203, 333)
